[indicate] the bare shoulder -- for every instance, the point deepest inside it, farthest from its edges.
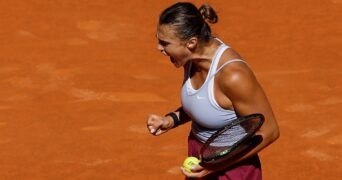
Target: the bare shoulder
(230, 53)
(236, 75)
(235, 72)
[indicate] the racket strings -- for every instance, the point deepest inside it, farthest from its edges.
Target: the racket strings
(224, 142)
(217, 147)
(229, 136)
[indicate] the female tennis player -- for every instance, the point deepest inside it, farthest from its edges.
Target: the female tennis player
(218, 87)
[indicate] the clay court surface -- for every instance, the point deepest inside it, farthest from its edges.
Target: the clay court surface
(78, 79)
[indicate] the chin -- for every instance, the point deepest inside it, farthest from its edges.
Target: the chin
(176, 62)
(178, 65)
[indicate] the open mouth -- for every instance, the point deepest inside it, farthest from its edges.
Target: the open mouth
(172, 59)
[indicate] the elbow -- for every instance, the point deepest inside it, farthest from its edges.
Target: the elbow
(271, 135)
(274, 135)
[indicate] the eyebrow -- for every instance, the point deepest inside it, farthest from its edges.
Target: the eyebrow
(162, 42)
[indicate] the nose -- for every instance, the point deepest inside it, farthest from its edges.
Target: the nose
(161, 49)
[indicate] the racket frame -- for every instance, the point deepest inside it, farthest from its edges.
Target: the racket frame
(217, 158)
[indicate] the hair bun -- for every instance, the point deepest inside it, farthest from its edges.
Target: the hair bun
(208, 13)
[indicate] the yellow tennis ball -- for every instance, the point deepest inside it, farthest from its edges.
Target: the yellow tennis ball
(189, 162)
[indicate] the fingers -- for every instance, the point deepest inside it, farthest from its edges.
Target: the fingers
(196, 172)
(154, 131)
(158, 132)
(189, 174)
(151, 129)
(196, 168)
(154, 124)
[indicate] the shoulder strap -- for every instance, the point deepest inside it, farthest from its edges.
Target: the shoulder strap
(216, 59)
(228, 62)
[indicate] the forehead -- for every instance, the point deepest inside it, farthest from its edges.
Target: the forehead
(166, 32)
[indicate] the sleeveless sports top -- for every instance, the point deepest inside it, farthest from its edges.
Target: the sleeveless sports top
(207, 116)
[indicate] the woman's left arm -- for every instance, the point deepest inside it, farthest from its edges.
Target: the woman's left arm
(239, 84)
(241, 87)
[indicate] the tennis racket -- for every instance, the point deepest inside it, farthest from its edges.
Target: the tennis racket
(214, 151)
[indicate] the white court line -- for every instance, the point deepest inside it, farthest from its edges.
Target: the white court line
(89, 95)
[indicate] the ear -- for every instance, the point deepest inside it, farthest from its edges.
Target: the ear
(192, 43)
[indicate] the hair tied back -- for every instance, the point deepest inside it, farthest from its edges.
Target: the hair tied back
(208, 13)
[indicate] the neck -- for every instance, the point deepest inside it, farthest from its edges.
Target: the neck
(202, 56)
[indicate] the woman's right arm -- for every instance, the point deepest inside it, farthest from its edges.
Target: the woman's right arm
(158, 125)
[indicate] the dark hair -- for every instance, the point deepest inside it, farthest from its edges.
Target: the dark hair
(189, 21)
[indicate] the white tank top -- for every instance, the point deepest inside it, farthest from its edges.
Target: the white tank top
(202, 107)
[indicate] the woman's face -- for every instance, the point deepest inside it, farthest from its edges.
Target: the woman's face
(170, 45)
